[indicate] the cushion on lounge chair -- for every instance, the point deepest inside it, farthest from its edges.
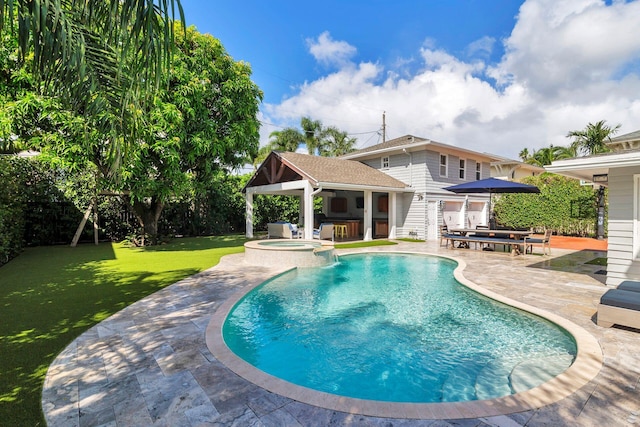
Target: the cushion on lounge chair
(629, 285)
(621, 298)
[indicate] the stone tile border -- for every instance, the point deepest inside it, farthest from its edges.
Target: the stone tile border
(585, 368)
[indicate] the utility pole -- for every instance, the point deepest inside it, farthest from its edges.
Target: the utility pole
(384, 127)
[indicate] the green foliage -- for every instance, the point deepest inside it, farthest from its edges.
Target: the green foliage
(562, 205)
(12, 205)
(38, 205)
(50, 295)
(326, 142)
(203, 124)
(98, 58)
(593, 138)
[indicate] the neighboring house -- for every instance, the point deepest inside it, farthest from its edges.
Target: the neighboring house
(393, 189)
(629, 141)
(513, 170)
(620, 172)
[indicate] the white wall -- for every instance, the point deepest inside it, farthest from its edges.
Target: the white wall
(622, 263)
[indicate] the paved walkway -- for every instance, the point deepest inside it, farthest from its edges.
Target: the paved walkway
(149, 364)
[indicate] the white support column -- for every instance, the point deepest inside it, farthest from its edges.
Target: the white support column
(308, 211)
(249, 214)
(368, 215)
(392, 214)
(464, 212)
(301, 215)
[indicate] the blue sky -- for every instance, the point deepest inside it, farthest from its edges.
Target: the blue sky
(492, 76)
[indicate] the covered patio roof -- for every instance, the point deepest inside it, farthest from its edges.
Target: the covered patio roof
(327, 173)
(585, 168)
(308, 176)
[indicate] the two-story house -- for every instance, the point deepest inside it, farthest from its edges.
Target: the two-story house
(393, 189)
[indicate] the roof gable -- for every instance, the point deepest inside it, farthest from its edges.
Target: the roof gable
(281, 167)
(414, 142)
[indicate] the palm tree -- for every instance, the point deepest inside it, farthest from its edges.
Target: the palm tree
(287, 139)
(336, 143)
(543, 156)
(561, 152)
(312, 130)
(98, 57)
(592, 140)
(321, 141)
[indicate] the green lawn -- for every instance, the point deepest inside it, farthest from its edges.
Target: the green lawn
(366, 244)
(50, 295)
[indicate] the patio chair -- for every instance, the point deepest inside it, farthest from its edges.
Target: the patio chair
(543, 241)
(443, 231)
(324, 232)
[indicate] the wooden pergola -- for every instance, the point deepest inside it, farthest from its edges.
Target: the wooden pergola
(286, 173)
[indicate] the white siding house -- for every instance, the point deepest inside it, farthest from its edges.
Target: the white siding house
(427, 167)
(622, 172)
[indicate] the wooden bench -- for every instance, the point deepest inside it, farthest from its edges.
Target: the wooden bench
(482, 240)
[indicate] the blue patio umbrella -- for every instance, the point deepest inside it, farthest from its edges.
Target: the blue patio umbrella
(492, 185)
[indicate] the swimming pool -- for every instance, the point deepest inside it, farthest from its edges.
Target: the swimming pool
(393, 327)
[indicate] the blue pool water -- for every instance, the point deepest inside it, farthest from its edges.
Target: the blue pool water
(393, 327)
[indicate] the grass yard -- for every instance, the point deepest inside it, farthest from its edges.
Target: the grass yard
(366, 244)
(50, 295)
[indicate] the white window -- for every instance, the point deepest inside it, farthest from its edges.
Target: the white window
(478, 171)
(462, 173)
(384, 162)
(443, 165)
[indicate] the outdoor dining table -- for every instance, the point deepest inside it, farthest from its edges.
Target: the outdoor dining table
(513, 234)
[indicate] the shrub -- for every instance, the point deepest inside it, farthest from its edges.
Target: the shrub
(562, 205)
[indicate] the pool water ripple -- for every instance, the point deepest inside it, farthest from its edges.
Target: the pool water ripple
(393, 327)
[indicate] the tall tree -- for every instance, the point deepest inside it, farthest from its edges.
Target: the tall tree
(288, 139)
(336, 143)
(313, 135)
(204, 122)
(98, 57)
(319, 140)
(593, 139)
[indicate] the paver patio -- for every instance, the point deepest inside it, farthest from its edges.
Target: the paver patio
(149, 364)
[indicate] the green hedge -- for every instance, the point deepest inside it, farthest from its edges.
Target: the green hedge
(11, 210)
(562, 205)
(34, 209)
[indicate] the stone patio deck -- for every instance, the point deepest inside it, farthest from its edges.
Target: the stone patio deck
(149, 363)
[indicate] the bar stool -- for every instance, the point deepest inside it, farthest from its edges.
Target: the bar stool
(341, 230)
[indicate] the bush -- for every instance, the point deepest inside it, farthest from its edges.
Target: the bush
(11, 210)
(562, 205)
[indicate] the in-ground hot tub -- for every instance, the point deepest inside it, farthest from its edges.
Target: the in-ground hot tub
(289, 253)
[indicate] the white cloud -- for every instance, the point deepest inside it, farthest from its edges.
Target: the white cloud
(481, 47)
(569, 44)
(566, 64)
(330, 52)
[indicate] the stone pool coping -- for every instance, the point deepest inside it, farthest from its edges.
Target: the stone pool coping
(585, 368)
(289, 253)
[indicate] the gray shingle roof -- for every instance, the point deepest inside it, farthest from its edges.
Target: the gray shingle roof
(627, 137)
(338, 171)
(397, 142)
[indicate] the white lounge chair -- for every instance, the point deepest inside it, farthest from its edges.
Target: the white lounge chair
(324, 232)
(283, 230)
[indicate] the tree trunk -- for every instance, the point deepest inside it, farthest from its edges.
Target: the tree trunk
(148, 213)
